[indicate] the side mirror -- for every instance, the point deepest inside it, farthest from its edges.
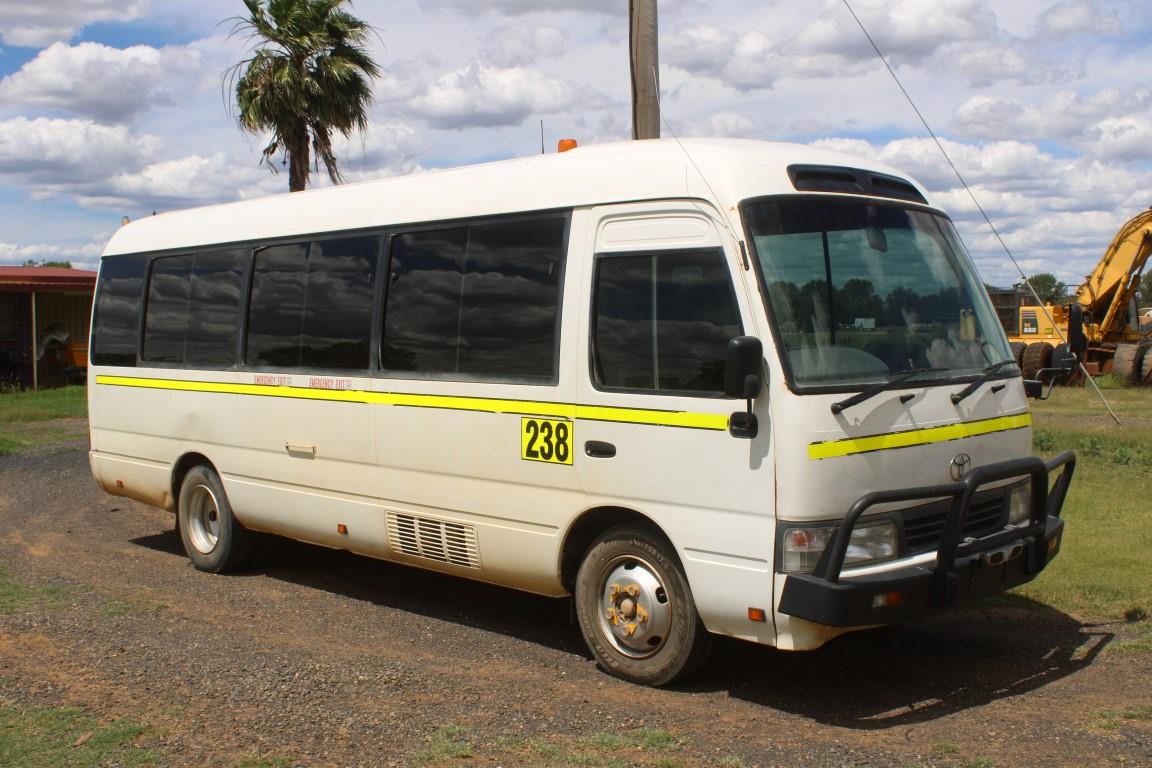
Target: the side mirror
(743, 365)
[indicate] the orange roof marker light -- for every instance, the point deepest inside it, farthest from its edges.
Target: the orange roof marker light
(565, 144)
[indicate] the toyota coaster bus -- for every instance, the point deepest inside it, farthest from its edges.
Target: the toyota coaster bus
(704, 387)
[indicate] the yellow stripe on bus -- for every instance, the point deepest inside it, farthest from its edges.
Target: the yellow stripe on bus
(713, 421)
(914, 437)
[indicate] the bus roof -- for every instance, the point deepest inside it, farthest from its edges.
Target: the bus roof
(724, 171)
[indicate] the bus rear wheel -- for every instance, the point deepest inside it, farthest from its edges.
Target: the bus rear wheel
(636, 611)
(213, 539)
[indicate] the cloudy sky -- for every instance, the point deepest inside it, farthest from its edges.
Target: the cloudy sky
(116, 107)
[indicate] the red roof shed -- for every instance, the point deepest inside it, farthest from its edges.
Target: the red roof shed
(44, 318)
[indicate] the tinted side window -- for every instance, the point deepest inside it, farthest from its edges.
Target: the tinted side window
(422, 321)
(117, 317)
(662, 321)
(337, 322)
(279, 275)
(312, 304)
(477, 302)
(214, 308)
(166, 314)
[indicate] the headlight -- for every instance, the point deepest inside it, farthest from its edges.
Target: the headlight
(803, 545)
(1020, 504)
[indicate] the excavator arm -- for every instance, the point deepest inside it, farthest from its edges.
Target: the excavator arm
(1109, 289)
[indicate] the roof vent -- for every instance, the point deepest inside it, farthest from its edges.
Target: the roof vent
(852, 181)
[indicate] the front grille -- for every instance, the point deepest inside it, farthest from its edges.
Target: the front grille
(924, 525)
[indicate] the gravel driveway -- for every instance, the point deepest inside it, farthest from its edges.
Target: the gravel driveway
(325, 658)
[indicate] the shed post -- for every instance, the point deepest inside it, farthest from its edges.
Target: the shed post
(35, 359)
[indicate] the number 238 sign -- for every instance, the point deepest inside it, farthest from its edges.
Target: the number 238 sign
(546, 440)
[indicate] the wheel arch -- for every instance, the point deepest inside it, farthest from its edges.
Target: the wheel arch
(590, 524)
(181, 468)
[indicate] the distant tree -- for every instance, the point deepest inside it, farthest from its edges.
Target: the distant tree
(310, 75)
(1146, 290)
(58, 264)
(1049, 287)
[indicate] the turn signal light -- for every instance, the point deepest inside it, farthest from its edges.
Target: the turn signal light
(757, 614)
(887, 599)
(565, 144)
(341, 529)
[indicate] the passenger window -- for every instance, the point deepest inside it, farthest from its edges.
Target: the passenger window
(476, 302)
(193, 309)
(662, 321)
(279, 277)
(116, 328)
(337, 324)
(166, 314)
(311, 305)
(214, 308)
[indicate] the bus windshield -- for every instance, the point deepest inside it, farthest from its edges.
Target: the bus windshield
(864, 292)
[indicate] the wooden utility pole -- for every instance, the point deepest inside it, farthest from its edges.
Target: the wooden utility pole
(645, 61)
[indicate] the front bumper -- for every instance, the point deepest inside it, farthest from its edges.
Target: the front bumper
(965, 568)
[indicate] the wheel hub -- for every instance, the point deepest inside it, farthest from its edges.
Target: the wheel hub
(203, 519)
(636, 614)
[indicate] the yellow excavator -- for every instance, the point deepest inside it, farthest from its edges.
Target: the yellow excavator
(1100, 326)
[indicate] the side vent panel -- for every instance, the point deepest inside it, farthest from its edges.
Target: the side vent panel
(437, 540)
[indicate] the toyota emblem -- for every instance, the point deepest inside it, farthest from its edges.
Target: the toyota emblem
(959, 465)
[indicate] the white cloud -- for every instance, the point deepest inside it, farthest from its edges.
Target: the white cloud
(1077, 17)
(42, 22)
(523, 45)
(386, 149)
(479, 95)
(44, 152)
(109, 85)
(81, 256)
(958, 36)
(1109, 124)
(524, 7)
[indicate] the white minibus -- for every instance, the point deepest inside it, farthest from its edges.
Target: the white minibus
(710, 387)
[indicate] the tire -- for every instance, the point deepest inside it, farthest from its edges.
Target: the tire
(1018, 348)
(1037, 355)
(213, 539)
(1126, 363)
(635, 608)
(1146, 365)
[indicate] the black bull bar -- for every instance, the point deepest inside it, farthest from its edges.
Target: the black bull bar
(965, 568)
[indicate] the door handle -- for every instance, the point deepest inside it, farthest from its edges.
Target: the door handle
(598, 449)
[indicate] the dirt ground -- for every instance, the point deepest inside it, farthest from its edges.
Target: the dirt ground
(330, 659)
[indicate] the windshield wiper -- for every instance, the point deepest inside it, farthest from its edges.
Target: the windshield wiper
(985, 374)
(876, 389)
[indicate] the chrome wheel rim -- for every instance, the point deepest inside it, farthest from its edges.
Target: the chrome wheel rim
(203, 519)
(635, 608)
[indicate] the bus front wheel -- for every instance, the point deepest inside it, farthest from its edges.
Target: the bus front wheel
(635, 608)
(213, 539)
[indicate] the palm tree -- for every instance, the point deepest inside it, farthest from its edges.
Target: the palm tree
(308, 76)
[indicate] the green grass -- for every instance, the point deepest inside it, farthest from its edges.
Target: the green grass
(34, 737)
(1113, 720)
(15, 596)
(23, 416)
(66, 402)
(1102, 571)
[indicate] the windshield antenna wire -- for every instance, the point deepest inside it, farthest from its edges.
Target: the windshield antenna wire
(976, 202)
